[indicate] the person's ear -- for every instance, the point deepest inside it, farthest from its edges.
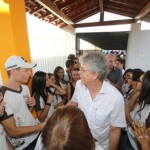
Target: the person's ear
(96, 75)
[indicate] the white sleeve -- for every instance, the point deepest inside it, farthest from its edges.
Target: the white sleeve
(26, 89)
(118, 114)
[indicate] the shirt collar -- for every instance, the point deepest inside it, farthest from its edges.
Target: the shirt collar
(102, 91)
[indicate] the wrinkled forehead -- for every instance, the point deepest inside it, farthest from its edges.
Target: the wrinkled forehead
(84, 65)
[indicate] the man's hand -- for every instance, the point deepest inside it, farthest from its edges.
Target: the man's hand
(30, 101)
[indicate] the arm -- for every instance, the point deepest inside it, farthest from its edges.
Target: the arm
(117, 85)
(59, 90)
(42, 114)
(130, 107)
(114, 137)
(10, 147)
(16, 132)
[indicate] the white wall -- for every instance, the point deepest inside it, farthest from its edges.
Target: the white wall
(49, 46)
(50, 52)
(138, 49)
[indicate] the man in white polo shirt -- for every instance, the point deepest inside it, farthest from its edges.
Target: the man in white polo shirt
(100, 101)
(18, 122)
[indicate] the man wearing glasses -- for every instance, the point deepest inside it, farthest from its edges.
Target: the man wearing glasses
(101, 102)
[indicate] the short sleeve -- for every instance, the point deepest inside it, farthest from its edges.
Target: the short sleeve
(118, 115)
(8, 113)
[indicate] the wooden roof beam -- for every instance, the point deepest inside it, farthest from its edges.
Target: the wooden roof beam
(130, 3)
(85, 15)
(53, 9)
(105, 23)
(67, 3)
(88, 3)
(117, 11)
(101, 7)
(143, 12)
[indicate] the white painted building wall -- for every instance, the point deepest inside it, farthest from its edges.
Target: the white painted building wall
(138, 49)
(50, 52)
(49, 46)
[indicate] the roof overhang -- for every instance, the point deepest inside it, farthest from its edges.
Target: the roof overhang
(106, 40)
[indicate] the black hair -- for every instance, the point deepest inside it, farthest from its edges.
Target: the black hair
(128, 70)
(39, 85)
(136, 73)
(69, 63)
(71, 56)
(56, 75)
(144, 98)
(75, 69)
(122, 61)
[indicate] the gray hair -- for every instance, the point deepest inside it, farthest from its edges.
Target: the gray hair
(97, 63)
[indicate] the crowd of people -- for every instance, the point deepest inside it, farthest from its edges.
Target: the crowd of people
(90, 104)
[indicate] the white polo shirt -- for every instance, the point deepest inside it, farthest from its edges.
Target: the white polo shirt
(106, 110)
(16, 106)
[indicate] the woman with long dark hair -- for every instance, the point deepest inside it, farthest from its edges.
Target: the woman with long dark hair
(59, 77)
(132, 80)
(44, 101)
(56, 90)
(125, 85)
(138, 108)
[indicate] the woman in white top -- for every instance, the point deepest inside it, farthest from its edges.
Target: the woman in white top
(138, 108)
(67, 129)
(59, 77)
(44, 101)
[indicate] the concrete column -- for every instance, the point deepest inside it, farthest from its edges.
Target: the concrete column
(13, 32)
(138, 48)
